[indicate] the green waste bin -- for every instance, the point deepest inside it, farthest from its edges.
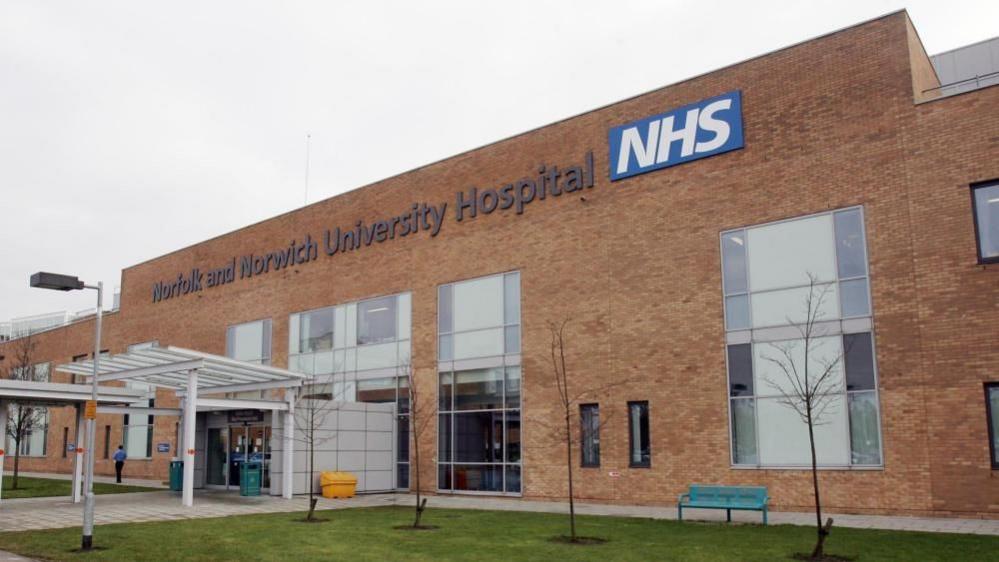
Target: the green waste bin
(250, 474)
(176, 475)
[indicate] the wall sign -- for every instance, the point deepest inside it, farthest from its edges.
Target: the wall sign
(245, 416)
(162, 447)
(694, 131)
(538, 184)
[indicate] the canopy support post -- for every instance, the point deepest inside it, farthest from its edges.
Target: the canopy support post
(190, 415)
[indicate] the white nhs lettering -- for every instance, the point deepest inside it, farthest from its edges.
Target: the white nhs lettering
(687, 133)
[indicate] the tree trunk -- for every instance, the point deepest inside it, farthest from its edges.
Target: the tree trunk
(416, 457)
(572, 504)
(312, 463)
(821, 532)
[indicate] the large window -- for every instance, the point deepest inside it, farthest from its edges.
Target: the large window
(479, 375)
(639, 442)
(985, 201)
(767, 271)
(992, 414)
(589, 433)
(250, 342)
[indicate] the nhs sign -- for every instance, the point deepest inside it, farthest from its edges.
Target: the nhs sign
(698, 130)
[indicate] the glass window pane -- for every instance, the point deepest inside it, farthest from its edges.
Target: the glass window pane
(444, 316)
(511, 298)
(376, 321)
(403, 476)
(589, 419)
(859, 359)
(513, 436)
(315, 331)
(445, 391)
(740, 370)
(481, 343)
(778, 308)
(478, 437)
(783, 254)
(444, 438)
(513, 479)
(994, 421)
(478, 478)
(737, 312)
(853, 295)
(744, 431)
(987, 219)
(638, 427)
(444, 477)
(403, 405)
(445, 351)
(402, 434)
(513, 387)
(478, 304)
(865, 440)
(734, 262)
(377, 356)
(480, 389)
(771, 379)
(512, 339)
(783, 436)
(376, 390)
(850, 243)
(250, 342)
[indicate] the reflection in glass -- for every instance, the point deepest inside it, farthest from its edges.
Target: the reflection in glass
(865, 440)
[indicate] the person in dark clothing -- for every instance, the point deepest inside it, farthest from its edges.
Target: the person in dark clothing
(119, 462)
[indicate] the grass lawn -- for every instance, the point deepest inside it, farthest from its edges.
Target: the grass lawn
(28, 487)
(368, 535)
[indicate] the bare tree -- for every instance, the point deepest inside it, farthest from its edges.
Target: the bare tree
(811, 383)
(421, 414)
(23, 419)
(569, 402)
(312, 412)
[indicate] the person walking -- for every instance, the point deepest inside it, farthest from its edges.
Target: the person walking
(119, 462)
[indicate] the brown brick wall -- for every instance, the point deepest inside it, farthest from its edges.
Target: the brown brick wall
(635, 264)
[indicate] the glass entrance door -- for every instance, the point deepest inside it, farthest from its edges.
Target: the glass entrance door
(249, 443)
(216, 457)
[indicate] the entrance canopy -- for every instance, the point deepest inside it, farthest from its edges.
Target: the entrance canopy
(169, 367)
(191, 373)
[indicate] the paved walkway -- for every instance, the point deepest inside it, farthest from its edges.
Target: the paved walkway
(46, 513)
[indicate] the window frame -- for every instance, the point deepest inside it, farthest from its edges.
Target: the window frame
(593, 406)
(974, 215)
(988, 423)
(631, 434)
(266, 332)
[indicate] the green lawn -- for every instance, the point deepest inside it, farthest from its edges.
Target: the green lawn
(368, 535)
(28, 487)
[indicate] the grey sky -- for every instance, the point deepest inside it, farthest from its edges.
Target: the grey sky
(130, 129)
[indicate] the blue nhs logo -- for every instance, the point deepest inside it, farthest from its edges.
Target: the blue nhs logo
(698, 130)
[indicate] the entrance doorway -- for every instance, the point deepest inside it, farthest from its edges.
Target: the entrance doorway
(229, 447)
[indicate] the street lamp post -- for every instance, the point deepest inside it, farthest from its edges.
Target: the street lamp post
(58, 282)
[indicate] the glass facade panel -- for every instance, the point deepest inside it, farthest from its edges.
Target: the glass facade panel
(853, 295)
(640, 446)
(734, 262)
(737, 312)
(250, 342)
(992, 411)
(986, 200)
(481, 389)
(478, 303)
(788, 445)
(376, 320)
(865, 435)
(740, 370)
(787, 306)
(859, 361)
(744, 431)
(850, 254)
(783, 254)
(589, 431)
(479, 446)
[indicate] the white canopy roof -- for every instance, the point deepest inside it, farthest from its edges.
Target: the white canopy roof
(168, 367)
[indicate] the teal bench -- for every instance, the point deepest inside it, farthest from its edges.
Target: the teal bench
(747, 498)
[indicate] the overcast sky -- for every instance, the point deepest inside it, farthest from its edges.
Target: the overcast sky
(130, 129)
